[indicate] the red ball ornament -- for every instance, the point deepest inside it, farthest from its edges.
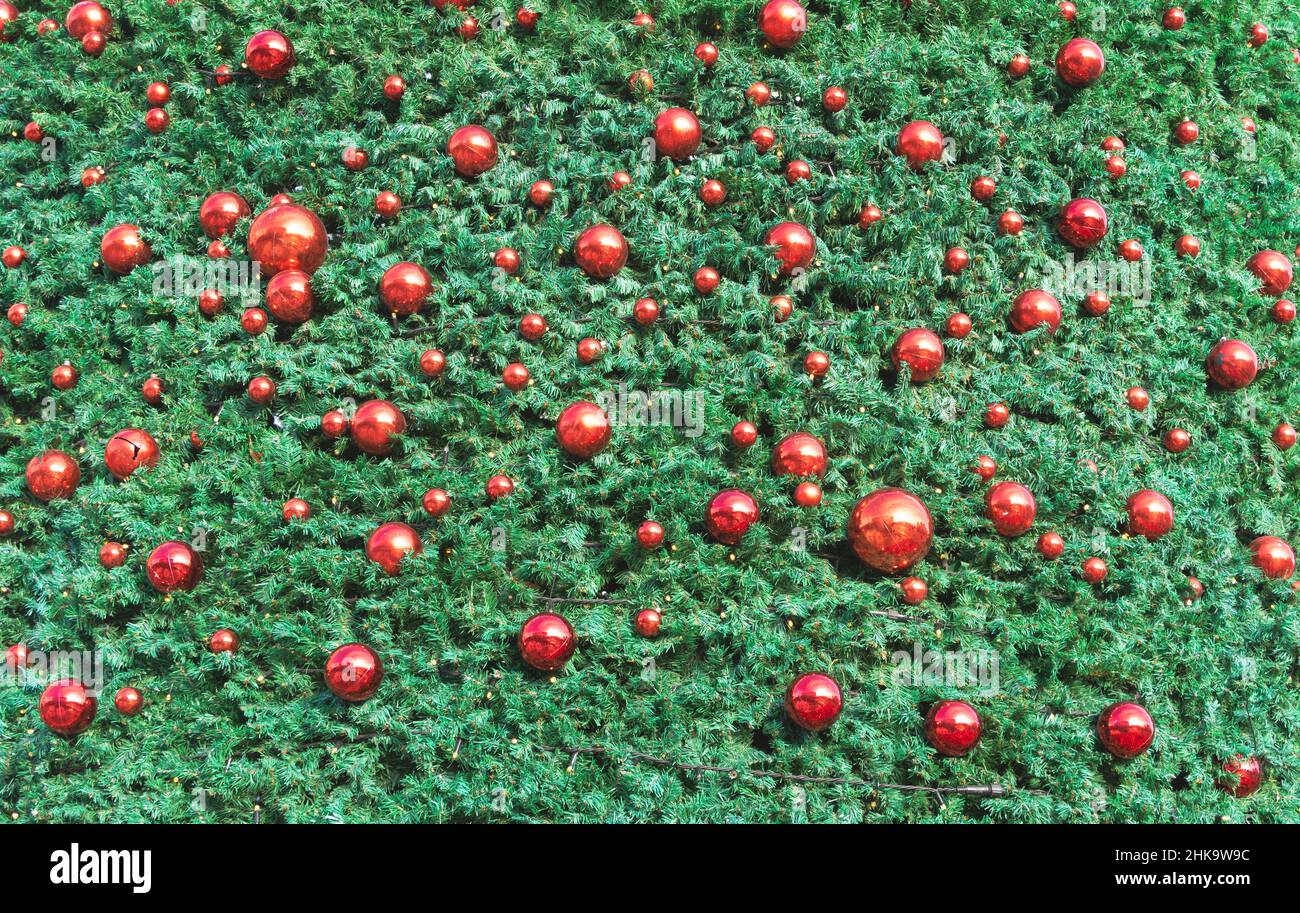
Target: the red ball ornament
(922, 352)
(404, 288)
(589, 349)
(526, 18)
(1176, 440)
(1188, 246)
(729, 515)
(1273, 269)
(223, 640)
(782, 307)
(983, 188)
(1125, 729)
(676, 133)
(112, 555)
(797, 170)
(1284, 436)
(834, 99)
(1018, 66)
(1080, 62)
(1051, 545)
(1035, 308)
(647, 622)
(499, 486)
(87, 16)
(123, 249)
(436, 502)
(546, 641)
(129, 450)
(334, 424)
(515, 376)
(1011, 507)
(744, 434)
(808, 494)
(1232, 364)
(289, 296)
(64, 376)
(1186, 132)
(269, 54)
(13, 256)
(619, 180)
(763, 138)
(600, 251)
(1130, 250)
(253, 321)
(432, 362)
(914, 590)
(389, 544)
(955, 260)
(813, 701)
(387, 204)
(712, 193)
(7, 523)
(1243, 776)
(706, 280)
(649, 535)
(795, 246)
(1138, 398)
(210, 302)
(799, 454)
(394, 87)
(1010, 223)
(583, 430)
(156, 120)
(174, 566)
(816, 364)
(985, 467)
(295, 509)
(53, 474)
(473, 150)
(151, 391)
(506, 259)
(93, 43)
(1174, 18)
(706, 53)
(1283, 310)
(532, 327)
(376, 426)
(919, 142)
(958, 325)
(996, 415)
(1149, 514)
(66, 706)
(540, 193)
(1082, 222)
(261, 390)
(353, 672)
(890, 530)
(783, 22)
(952, 728)
(287, 236)
(1273, 556)
(1116, 167)
(1191, 179)
(1095, 570)
(128, 701)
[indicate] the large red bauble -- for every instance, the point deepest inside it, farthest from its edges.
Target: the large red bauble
(173, 566)
(601, 251)
(922, 352)
(353, 672)
(1011, 507)
(123, 249)
(1035, 308)
(1149, 514)
(677, 133)
(582, 429)
(289, 296)
(67, 707)
(1125, 729)
(795, 246)
(1273, 556)
(391, 543)
(546, 642)
(1273, 269)
(269, 54)
(1082, 222)
(288, 236)
(890, 530)
(87, 16)
(128, 450)
(799, 454)
(473, 150)
(1232, 364)
(53, 474)
(729, 515)
(1244, 776)
(375, 425)
(813, 701)
(952, 728)
(782, 22)
(919, 142)
(220, 212)
(1080, 62)
(404, 287)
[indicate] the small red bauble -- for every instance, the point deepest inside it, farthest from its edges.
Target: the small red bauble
(1174, 18)
(645, 311)
(289, 297)
(1018, 66)
(1125, 729)
(816, 364)
(869, 216)
(541, 193)
(1069, 12)
(808, 494)
(64, 376)
(589, 349)
(1116, 167)
(1010, 223)
(1186, 132)
(221, 212)
(1258, 35)
(890, 530)
(706, 53)
(468, 28)
(922, 352)
(13, 256)
(1095, 570)
(649, 535)
(123, 249)
(7, 523)
(287, 236)
(1188, 246)
(712, 193)
(376, 426)
(151, 391)
(52, 475)
(156, 120)
(600, 251)
(706, 280)
(93, 43)
(1082, 222)
(112, 554)
(647, 622)
(958, 325)
(435, 502)
(526, 18)
(1051, 545)
(253, 321)
(1273, 269)
(914, 590)
(1284, 436)
(1130, 250)
(506, 259)
(129, 450)
(473, 150)
(985, 467)
(763, 138)
(834, 99)
(676, 133)
(87, 16)
(499, 486)
(813, 701)
(955, 259)
(269, 54)
(390, 543)
(618, 181)
(432, 362)
(583, 430)
(641, 81)
(173, 566)
(797, 170)
(353, 672)
(33, 132)
(1191, 179)
(223, 640)
(387, 204)
(515, 376)
(546, 641)
(952, 728)
(128, 701)
(1283, 310)
(1035, 308)
(67, 706)
(997, 415)
(16, 314)
(799, 454)
(394, 87)
(744, 434)
(783, 22)
(1195, 589)
(1137, 398)
(1149, 514)
(1176, 440)
(1011, 507)
(532, 327)
(296, 509)
(334, 424)
(983, 188)
(795, 245)
(759, 93)
(919, 142)
(261, 390)
(210, 302)
(1232, 364)
(404, 288)
(1096, 303)
(1273, 556)
(1244, 776)
(222, 75)
(1080, 62)
(729, 515)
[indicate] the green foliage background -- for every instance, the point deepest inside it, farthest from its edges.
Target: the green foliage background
(259, 734)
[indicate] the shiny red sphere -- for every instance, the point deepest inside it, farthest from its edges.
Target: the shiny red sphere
(353, 672)
(589, 349)
(436, 502)
(532, 327)
(676, 134)
(1137, 398)
(649, 535)
(546, 641)
(289, 296)
(67, 707)
(1174, 18)
(433, 362)
(1051, 545)
(174, 566)
(983, 188)
(223, 640)
(129, 450)
(1125, 729)
(706, 280)
(112, 554)
(390, 543)
(261, 390)
(499, 486)
(1018, 66)
(890, 530)
(334, 424)
(1188, 246)
(269, 54)
(288, 236)
(473, 150)
(1095, 570)
(713, 193)
(706, 53)
(394, 87)
(1035, 308)
(128, 701)
(387, 204)
(1283, 310)
(783, 22)
(958, 325)
(763, 138)
(914, 590)
(376, 426)
(295, 509)
(799, 454)
(540, 193)
(1011, 507)
(1080, 62)
(1232, 364)
(1243, 776)
(515, 376)
(952, 728)
(220, 212)
(1284, 436)
(955, 260)
(87, 16)
(744, 434)
(1082, 222)
(1176, 440)
(1010, 223)
(647, 622)
(156, 120)
(813, 701)
(922, 352)
(729, 515)
(52, 475)
(795, 246)
(996, 415)
(1149, 514)
(123, 249)
(919, 142)
(807, 494)
(583, 430)
(834, 99)
(404, 288)
(600, 251)
(1273, 556)
(64, 377)
(1273, 269)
